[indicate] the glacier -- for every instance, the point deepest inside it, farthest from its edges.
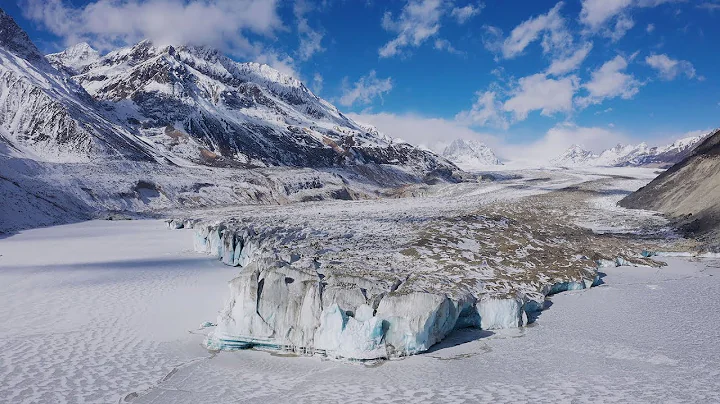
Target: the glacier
(360, 283)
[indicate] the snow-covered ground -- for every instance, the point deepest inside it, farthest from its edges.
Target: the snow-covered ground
(110, 311)
(95, 311)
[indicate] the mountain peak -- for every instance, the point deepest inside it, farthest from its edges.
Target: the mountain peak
(75, 58)
(470, 154)
(630, 155)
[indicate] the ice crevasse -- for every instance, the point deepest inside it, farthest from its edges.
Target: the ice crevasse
(282, 301)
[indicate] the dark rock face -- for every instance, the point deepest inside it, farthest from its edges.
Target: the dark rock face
(689, 192)
(16, 41)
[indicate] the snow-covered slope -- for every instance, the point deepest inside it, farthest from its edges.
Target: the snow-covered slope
(45, 112)
(198, 104)
(630, 155)
(75, 58)
(166, 127)
(575, 155)
(689, 191)
(470, 154)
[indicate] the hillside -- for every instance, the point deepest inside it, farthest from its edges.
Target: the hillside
(689, 191)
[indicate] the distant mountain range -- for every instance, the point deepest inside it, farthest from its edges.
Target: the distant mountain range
(630, 155)
(470, 154)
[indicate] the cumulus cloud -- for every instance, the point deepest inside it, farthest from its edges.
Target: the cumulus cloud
(571, 63)
(559, 138)
(282, 63)
(464, 14)
(223, 24)
(108, 23)
(485, 111)
(310, 39)
(669, 68)
(432, 133)
(365, 90)
(436, 133)
(610, 81)
(550, 27)
(418, 21)
(598, 15)
(444, 44)
(317, 83)
(539, 92)
(595, 13)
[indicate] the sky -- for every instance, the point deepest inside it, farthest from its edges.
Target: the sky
(528, 77)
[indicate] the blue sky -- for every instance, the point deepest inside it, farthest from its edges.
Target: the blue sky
(515, 73)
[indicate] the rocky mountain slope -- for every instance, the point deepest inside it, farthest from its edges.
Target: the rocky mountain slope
(147, 128)
(197, 104)
(630, 155)
(689, 191)
(48, 115)
(575, 155)
(470, 154)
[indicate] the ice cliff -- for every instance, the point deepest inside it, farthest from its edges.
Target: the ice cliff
(313, 289)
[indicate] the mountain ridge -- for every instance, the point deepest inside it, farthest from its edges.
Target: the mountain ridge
(630, 155)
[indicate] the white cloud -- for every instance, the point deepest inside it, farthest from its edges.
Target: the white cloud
(597, 15)
(222, 24)
(538, 92)
(610, 81)
(418, 21)
(437, 133)
(464, 14)
(709, 6)
(650, 28)
(551, 26)
(486, 111)
(365, 90)
(433, 133)
(623, 24)
(310, 39)
(562, 136)
(570, 63)
(282, 63)
(317, 83)
(444, 44)
(109, 23)
(669, 68)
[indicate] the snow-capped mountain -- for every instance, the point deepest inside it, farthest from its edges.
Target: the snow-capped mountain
(630, 155)
(196, 104)
(470, 154)
(47, 114)
(147, 129)
(74, 59)
(575, 155)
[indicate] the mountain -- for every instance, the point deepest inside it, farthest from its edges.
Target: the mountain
(689, 192)
(74, 59)
(47, 114)
(575, 155)
(470, 154)
(196, 104)
(147, 129)
(630, 155)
